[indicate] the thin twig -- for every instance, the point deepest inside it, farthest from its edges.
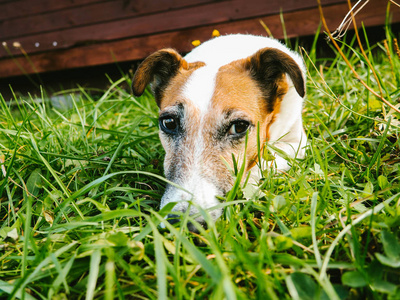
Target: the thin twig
(347, 61)
(344, 26)
(394, 3)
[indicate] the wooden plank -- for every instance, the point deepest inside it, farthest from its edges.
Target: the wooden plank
(18, 8)
(167, 21)
(93, 13)
(139, 47)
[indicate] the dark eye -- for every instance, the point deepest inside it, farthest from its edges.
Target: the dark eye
(169, 124)
(238, 127)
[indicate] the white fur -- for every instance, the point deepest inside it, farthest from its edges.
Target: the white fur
(228, 48)
(200, 87)
(203, 193)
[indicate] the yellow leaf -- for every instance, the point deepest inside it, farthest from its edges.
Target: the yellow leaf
(283, 242)
(215, 33)
(375, 104)
(170, 246)
(301, 232)
(267, 156)
(49, 217)
(196, 43)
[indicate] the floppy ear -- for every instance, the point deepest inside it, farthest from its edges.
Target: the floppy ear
(158, 69)
(268, 66)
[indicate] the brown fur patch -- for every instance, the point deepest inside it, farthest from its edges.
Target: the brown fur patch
(282, 89)
(236, 89)
(172, 93)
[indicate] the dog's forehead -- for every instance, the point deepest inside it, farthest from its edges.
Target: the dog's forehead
(223, 88)
(214, 89)
(200, 87)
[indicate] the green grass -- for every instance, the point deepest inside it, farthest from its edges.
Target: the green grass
(80, 187)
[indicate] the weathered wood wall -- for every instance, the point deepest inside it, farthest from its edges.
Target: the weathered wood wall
(65, 34)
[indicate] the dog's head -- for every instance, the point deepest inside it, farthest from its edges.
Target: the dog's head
(206, 111)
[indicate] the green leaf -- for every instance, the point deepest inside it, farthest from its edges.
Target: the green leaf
(119, 239)
(391, 245)
(391, 248)
(99, 206)
(353, 279)
(282, 242)
(251, 191)
(9, 232)
(303, 232)
(34, 182)
(382, 182)
(368, 189)
(388, 261)
(384, 286)
(13, 234)
(279, 202)
(301, 286)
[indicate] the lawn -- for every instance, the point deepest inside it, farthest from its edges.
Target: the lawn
(81, 179)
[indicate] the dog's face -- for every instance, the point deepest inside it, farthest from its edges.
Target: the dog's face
(206, 113)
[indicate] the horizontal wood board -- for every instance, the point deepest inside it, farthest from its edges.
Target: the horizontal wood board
(175, 24)
(99, 31)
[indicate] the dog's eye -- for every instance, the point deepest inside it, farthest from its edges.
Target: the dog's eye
(169, 124)
(238, 127)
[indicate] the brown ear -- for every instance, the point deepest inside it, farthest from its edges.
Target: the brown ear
(157, 69)
(268, 66)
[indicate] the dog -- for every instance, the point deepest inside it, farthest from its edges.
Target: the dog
(226, 90)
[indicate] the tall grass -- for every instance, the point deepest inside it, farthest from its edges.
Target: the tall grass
(80, 188)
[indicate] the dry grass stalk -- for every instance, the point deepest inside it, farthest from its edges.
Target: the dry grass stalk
(332, 39)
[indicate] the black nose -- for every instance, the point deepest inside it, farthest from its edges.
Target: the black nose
(172, 219)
